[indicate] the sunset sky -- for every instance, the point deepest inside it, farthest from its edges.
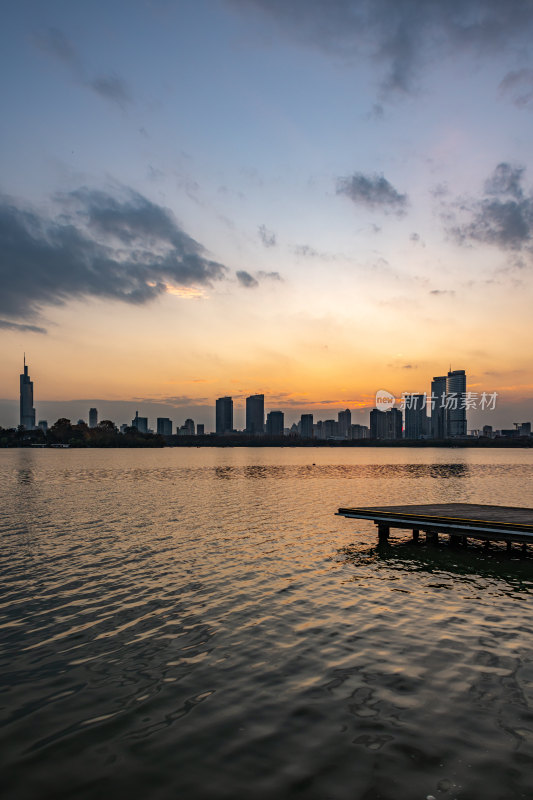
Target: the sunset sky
(309, 199)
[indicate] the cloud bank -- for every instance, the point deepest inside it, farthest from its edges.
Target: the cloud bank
(125, 248)
(401, 35)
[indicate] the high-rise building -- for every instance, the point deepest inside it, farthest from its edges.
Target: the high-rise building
(27, 411)
(164, 426)
(438, 407)
(93, 417)
(187, 429)
(224, 415)
(386, 424)
(140, 423)
(200, 429)
(275, 423)
(416, 419)
(455, 401)
(43, 425)
(306, 426)
(360, 432)
(345, 423)
(331, 428)
(255, 414)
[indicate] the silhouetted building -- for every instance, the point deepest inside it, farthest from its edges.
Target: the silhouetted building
(140, 423)
(306, 426)
(187, 429)
(525, 429)
(200, 429)
(27, 411)
(255, 414)
(93, 417)
(43, 425)
(275, 423)
(224, 415)
(345, 423)
(331, 428)
(487, 431)
(455, 402)
(438, 407)
(164, 426)
(416, 418)
(386, 425)
(360, 432)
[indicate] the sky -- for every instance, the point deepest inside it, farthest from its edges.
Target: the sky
(307, 199)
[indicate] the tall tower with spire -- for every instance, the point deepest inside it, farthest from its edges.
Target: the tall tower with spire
(27, 411)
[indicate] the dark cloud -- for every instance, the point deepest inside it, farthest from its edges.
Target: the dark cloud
(54, 43)
(372, 191)
(502, 216)
(506, 180)
(519, 86)
(125, 248)
(246, 280)
(402, 35)
(111, 87)
(16, 326)
(267, 237)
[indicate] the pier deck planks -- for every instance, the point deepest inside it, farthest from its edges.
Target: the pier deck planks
(509, 523)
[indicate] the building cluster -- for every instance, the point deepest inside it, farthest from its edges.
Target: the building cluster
(442, 414)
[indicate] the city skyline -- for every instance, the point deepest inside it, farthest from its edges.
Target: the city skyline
(229, 197)
(438, 414)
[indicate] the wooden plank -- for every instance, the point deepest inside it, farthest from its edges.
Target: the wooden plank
(471, 514)
(456, 519)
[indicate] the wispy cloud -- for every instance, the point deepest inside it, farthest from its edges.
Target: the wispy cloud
(109, 86)
(401, 36)
(267, 237)
(17, 326)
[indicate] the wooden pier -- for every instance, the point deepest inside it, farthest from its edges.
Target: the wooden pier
(460, 521)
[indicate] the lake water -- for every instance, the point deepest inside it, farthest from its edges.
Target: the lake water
(197, 623)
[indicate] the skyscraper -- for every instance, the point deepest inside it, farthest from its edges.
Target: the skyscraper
(141, 423)
(345, 423)
(306, 426)
(164, 426)
(386, 424)
(224, 415)
(456, 407)
(416, 418)
(255, 414)
(93, 417)
(274, 424)
(27, 411)
(438, 407)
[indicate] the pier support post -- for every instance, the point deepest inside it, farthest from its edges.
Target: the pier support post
(465, 541)
(455, 539)
(383, 532)
(509, 546)
(432, 537)
(415, 535)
